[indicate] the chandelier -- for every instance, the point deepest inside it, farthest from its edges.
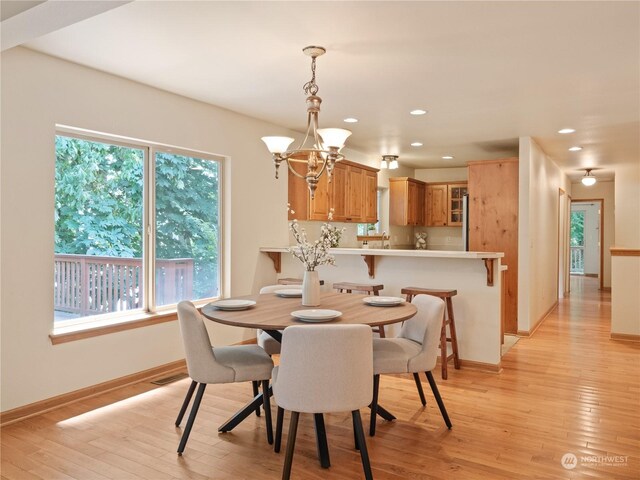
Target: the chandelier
(320, 149)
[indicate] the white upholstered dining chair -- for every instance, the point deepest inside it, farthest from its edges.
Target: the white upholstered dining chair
(228, 364)
(324, 369)
(415, 350)
(266, 341)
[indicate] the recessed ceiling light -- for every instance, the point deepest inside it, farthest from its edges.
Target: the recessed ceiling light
(575, 149)
(567, 130)
(351, 120)
(418, 111)
(447, 157)
(416, 144)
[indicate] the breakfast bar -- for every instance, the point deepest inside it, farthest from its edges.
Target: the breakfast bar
(475, 275)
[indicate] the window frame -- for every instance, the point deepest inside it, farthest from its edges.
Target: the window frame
(93, 325)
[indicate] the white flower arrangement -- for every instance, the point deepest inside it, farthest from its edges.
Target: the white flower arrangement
(315, 253)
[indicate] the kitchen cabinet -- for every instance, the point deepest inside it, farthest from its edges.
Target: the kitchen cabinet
(352, 194)
(370, 196)
(444, 204)
(406, 201)
(436, 205)
(455, 195)
(493, 223)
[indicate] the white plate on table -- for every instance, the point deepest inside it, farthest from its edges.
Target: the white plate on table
(231, 304)
(289, 292)
(383, 301)
(316, 315)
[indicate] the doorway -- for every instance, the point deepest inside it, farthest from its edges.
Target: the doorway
(586, 238)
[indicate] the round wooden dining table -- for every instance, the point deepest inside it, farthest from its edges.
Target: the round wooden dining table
(272, 314)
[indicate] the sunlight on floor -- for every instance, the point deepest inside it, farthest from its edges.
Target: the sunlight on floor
(99, 413)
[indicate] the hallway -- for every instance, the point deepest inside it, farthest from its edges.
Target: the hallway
(568, 389)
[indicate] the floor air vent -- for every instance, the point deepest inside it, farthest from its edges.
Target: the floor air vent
(171, 379)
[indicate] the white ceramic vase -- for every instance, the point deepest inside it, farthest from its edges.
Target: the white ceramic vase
(310, 289)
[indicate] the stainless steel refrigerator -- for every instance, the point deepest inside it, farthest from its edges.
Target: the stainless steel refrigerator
(465, 221)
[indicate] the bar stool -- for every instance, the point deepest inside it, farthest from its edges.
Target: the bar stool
(363, 288)
(449, 320)
(293, 281)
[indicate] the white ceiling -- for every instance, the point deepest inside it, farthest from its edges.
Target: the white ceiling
(488, 72)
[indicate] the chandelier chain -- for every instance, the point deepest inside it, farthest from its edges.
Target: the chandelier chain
(310, 88)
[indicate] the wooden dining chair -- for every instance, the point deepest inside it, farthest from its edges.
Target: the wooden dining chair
(312, 378)
(227, 364)
(415, 350)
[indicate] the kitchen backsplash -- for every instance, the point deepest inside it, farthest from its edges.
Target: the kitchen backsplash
(438, 238)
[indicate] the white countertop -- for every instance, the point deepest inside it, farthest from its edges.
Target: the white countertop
(400, 253)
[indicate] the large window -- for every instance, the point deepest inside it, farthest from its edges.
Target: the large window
(105, 195)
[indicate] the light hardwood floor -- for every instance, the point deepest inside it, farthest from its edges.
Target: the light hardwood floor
(567, 389)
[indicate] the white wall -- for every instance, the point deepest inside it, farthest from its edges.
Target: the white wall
(601, 190)
(539, 182)
(39, 92)
(625, 271)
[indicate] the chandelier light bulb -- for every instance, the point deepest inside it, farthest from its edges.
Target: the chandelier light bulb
(334, 137)
(277, 144)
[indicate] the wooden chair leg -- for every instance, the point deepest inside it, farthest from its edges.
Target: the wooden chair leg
(374, 405)
(279, 423)
(454, 338)
(443, 349)
(192, 417)
(416, 377)
(255, 384)
(381, 332)
(364, 454)
(185, 404)
(436, 393)
(291, 445)
(266, 403)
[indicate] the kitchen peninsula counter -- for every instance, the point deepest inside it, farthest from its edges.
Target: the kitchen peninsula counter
(475, 275)
(391, 252)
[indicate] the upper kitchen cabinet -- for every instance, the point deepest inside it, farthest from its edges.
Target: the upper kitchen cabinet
(436, 205)
(455, 195)
(352, 194)
(370, 196)
(406, 201)
(444, 204)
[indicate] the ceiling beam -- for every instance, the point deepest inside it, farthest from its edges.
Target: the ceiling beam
(49, 16)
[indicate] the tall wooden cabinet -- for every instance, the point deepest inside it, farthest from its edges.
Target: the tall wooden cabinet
(352, 193)
(406, 201)
(493, 223)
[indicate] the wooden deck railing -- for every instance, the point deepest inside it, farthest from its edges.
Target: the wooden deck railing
(90, 285)
(577, 260)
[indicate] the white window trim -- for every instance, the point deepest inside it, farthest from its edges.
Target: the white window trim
(109, 322)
